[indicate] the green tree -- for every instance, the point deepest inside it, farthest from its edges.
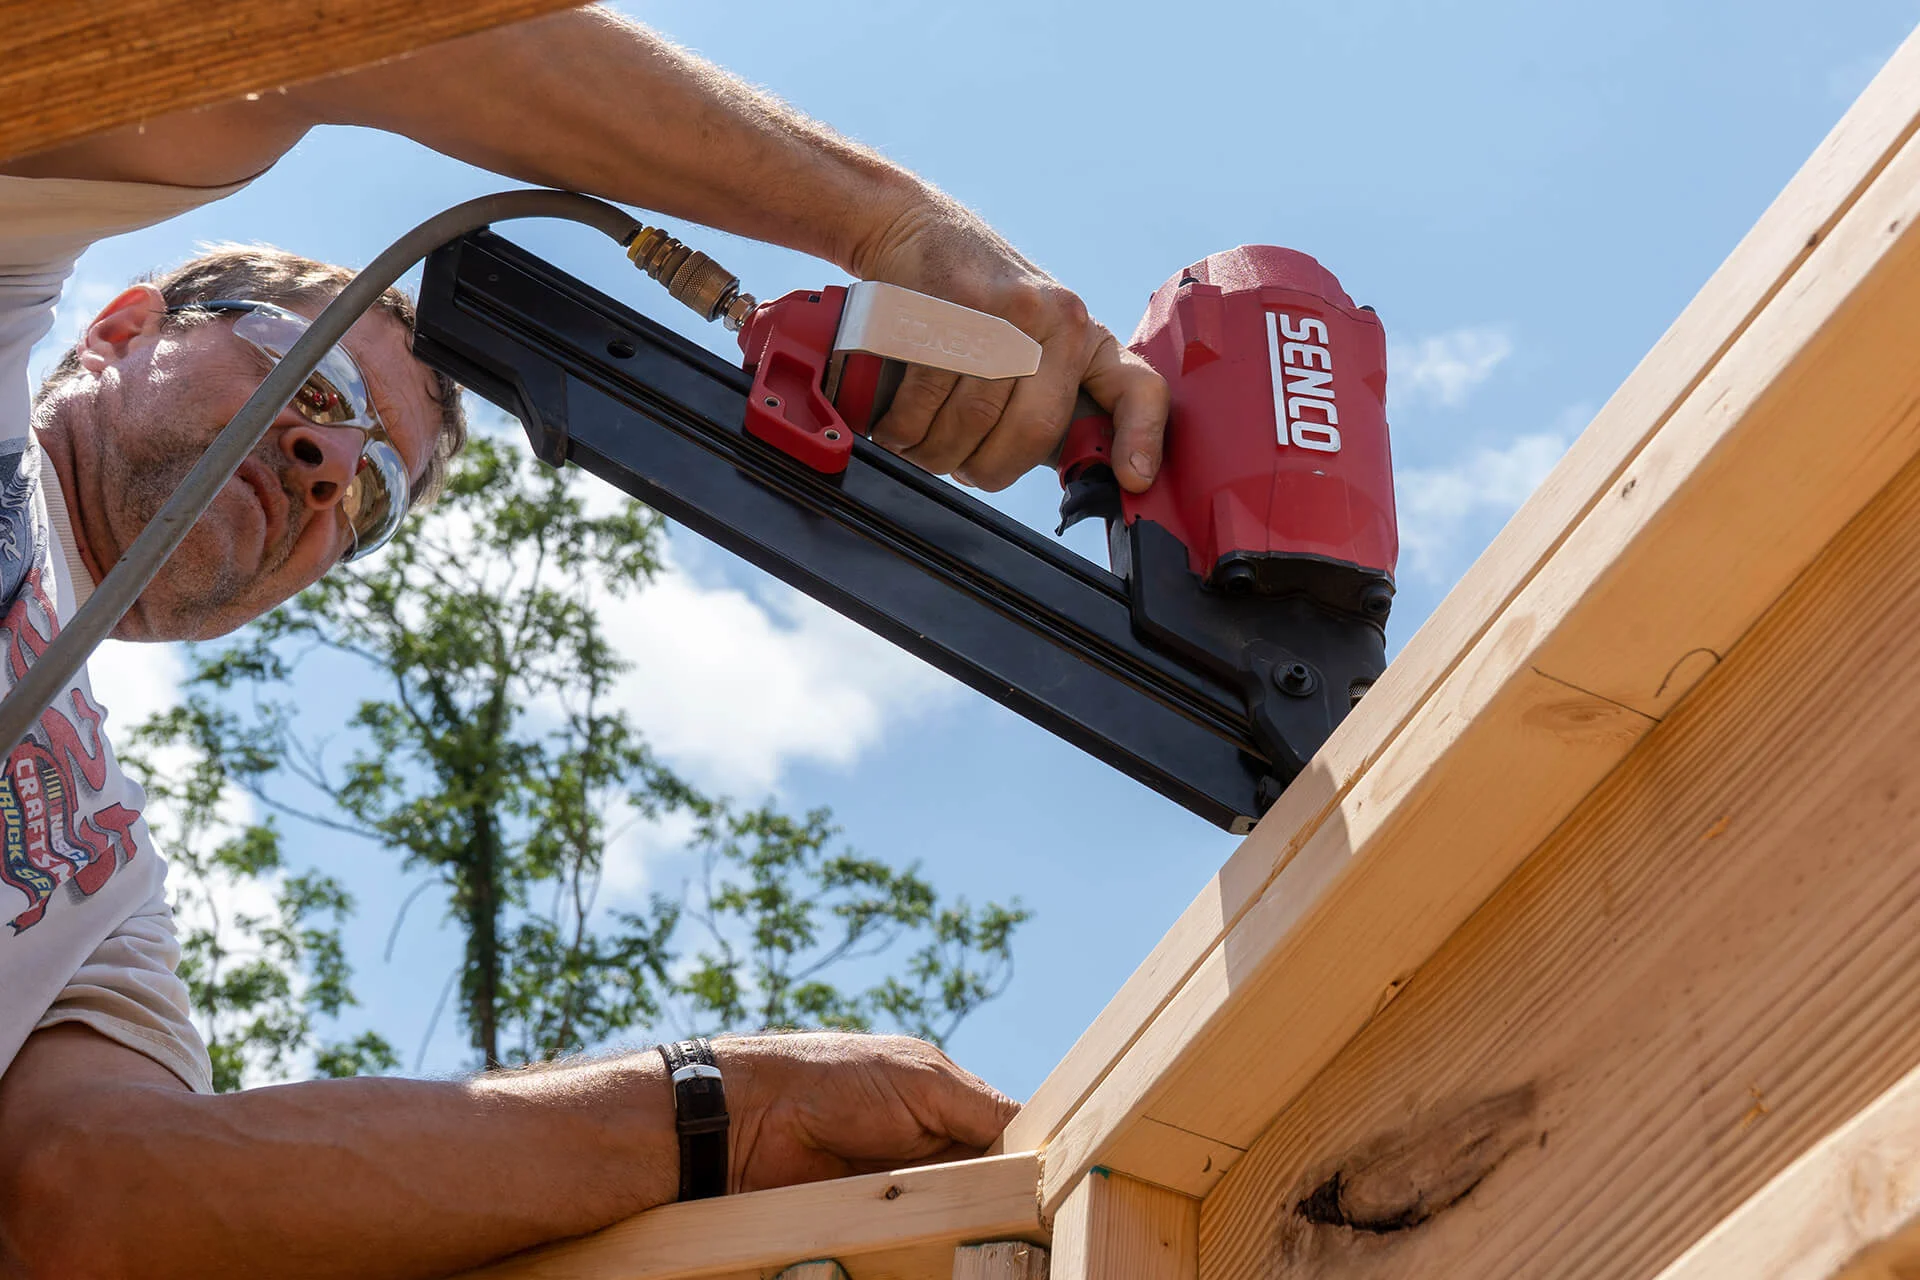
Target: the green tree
(493, 755)
(780, 911)
(257, 979)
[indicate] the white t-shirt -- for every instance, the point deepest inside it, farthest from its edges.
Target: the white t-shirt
(85, 932)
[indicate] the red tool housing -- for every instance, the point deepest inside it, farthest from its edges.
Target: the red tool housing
(1277, 456)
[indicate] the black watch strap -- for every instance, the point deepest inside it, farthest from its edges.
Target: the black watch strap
(700, 1116)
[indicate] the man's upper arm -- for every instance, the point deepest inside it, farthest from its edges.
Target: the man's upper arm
(46, 1095)
(210, 147)
(57, 1067)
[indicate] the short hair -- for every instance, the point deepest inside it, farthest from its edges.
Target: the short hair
(262, 273)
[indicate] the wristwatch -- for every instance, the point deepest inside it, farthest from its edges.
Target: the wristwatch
(699, 1116)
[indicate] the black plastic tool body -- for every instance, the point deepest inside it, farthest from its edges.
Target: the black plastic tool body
(984, 598)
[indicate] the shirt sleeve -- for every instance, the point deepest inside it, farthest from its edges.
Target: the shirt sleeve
(129, 992)
(45, 225)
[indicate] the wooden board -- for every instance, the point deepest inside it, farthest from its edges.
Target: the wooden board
(1112, 1227)
(999, 1260)
(69, 68)
(1895, 1258)
(885, 1226)
(1842, 1209)
(1711, 521)
(1828, 185)
(1713, 964)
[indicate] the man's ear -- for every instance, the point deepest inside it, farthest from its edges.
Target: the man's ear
(134, 315)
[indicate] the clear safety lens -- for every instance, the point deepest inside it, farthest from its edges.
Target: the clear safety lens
(375, 502)
(335, 395)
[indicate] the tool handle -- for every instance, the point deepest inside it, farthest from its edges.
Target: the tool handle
(1087, 443)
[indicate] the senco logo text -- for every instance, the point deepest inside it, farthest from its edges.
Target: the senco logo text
(1304, 414)
(946, 339)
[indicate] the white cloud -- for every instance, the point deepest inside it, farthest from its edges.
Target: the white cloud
(634, 849)
(736, 689)
(135, 681)
(1444, 368)
(1447, 512)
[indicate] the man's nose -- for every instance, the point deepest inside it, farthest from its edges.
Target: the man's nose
(321, 461)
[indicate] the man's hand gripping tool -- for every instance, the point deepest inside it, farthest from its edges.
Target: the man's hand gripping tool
(1244, 613)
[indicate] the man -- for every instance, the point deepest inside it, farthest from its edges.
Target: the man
(113, 1159)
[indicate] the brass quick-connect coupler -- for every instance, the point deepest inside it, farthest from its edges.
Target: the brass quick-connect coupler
(691, 276)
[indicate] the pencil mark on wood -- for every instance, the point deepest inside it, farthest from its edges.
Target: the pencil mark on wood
(1681, 661)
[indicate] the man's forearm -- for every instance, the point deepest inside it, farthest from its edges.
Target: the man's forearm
(583, 100)
(364, 1177)
(589, 101)
(586, 100)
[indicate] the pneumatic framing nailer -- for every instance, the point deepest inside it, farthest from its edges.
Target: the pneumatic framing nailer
(1245, 611)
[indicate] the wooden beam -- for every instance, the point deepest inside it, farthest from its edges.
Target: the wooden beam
(1895, 1258)
(1713, 964)
(1713, 518)
(69, 68)
(1804, 214)
(1000, 1260)
(1112, 1227)
(1844, 1209)
(883, 1226)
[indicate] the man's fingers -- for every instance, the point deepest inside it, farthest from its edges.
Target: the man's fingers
(1128, 388)
(908, 419)
(966, 1109)
(1037, 413)
(971, 409)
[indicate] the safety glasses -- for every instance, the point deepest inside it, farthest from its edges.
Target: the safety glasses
(334, 395)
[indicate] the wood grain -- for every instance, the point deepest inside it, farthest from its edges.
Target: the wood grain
(1000, 1260)
(1895, 1258)
(75, 67)
(1842, 1209)
(879, 1227)
(1112, 1227)
(1793, 226)
(1713, 964)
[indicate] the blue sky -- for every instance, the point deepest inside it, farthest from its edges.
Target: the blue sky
(1527, 194)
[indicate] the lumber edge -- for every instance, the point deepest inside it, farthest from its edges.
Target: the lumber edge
(994, 1198)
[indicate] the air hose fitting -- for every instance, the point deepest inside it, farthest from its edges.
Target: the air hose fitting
(712, 291)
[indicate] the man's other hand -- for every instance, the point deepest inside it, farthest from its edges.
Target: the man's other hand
(829, 1104)
(989, 433)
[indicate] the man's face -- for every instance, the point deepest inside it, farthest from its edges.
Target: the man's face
(157, 396)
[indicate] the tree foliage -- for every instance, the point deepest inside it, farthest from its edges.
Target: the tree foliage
(492, 754)
(779, 911)
(257, 978)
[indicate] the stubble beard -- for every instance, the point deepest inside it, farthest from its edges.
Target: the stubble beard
(199, 584)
